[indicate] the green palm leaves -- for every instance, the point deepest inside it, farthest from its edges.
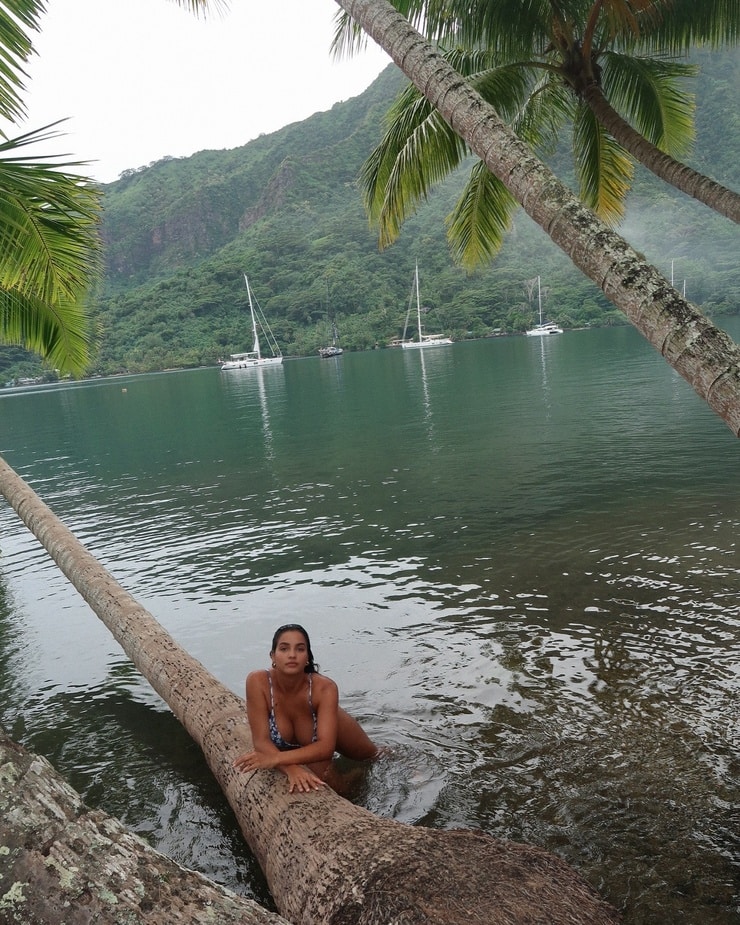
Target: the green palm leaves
(49, 244)
(650, 93)
(16, 18)
(419, 149)
(50, 251)
(49, 254)
(596, 68)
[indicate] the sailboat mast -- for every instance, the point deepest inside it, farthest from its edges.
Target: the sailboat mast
(539, 298)
(255, 338)
(418, 302)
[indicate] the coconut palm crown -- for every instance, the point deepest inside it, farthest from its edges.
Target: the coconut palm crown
(606, 69)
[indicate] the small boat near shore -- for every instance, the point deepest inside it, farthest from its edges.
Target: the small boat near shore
(332, 351)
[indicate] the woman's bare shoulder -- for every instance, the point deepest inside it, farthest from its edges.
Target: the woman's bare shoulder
(257, 680)
(323, 684)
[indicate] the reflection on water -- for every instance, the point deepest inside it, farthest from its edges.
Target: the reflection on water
(544, 346)
(524, 581)
(267, 385)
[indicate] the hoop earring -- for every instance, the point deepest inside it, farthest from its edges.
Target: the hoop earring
(274, 665)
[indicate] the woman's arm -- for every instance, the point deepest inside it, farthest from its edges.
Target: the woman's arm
(267, 755)
(258, 713)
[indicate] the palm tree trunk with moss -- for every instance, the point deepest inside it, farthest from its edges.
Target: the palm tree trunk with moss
(684, 178)
(63, 863)
(703, 354)
(327, 862)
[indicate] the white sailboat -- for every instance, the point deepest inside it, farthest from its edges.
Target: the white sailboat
(422, 340)
(251, 358)
(543, 329)
(333, 350)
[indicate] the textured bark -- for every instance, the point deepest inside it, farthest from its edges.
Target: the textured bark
(62, 863)
(703, 354)
(336, 864)
(327, 862)
(684, 178)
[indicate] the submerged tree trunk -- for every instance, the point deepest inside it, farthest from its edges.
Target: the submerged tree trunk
(62, 863)
(703, 354)
(327, 861)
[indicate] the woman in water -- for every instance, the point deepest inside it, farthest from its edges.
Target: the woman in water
(295, 719)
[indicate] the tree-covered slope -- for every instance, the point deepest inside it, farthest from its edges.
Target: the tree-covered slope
(285, 208)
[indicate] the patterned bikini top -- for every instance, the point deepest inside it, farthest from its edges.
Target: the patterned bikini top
(275, 735)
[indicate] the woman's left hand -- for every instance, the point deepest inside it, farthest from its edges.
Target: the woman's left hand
(254, 761)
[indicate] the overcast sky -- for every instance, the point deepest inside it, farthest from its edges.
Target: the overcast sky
(143, 79)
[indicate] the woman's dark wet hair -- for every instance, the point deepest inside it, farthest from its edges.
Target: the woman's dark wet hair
(311, 667)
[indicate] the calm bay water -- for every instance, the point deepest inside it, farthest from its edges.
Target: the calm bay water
(518, 559)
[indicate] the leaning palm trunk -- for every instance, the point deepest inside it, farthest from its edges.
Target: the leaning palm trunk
(705, 356)
(681, 176)
(327, 861)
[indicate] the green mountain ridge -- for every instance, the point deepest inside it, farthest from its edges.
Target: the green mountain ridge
(285, 208)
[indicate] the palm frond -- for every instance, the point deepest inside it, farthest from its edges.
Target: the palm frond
(349, 39)
(648, 93)
(630, 17)
(49, 243)
(202, 7)
(18, 18)
(58, 333)
(549, 107)
(686, 23)
(417, 151)
(506, 88)
(513, 29)
(604, 169)
(49, 250)
(478, 224)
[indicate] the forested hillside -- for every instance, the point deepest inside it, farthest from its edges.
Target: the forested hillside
(285, 208)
